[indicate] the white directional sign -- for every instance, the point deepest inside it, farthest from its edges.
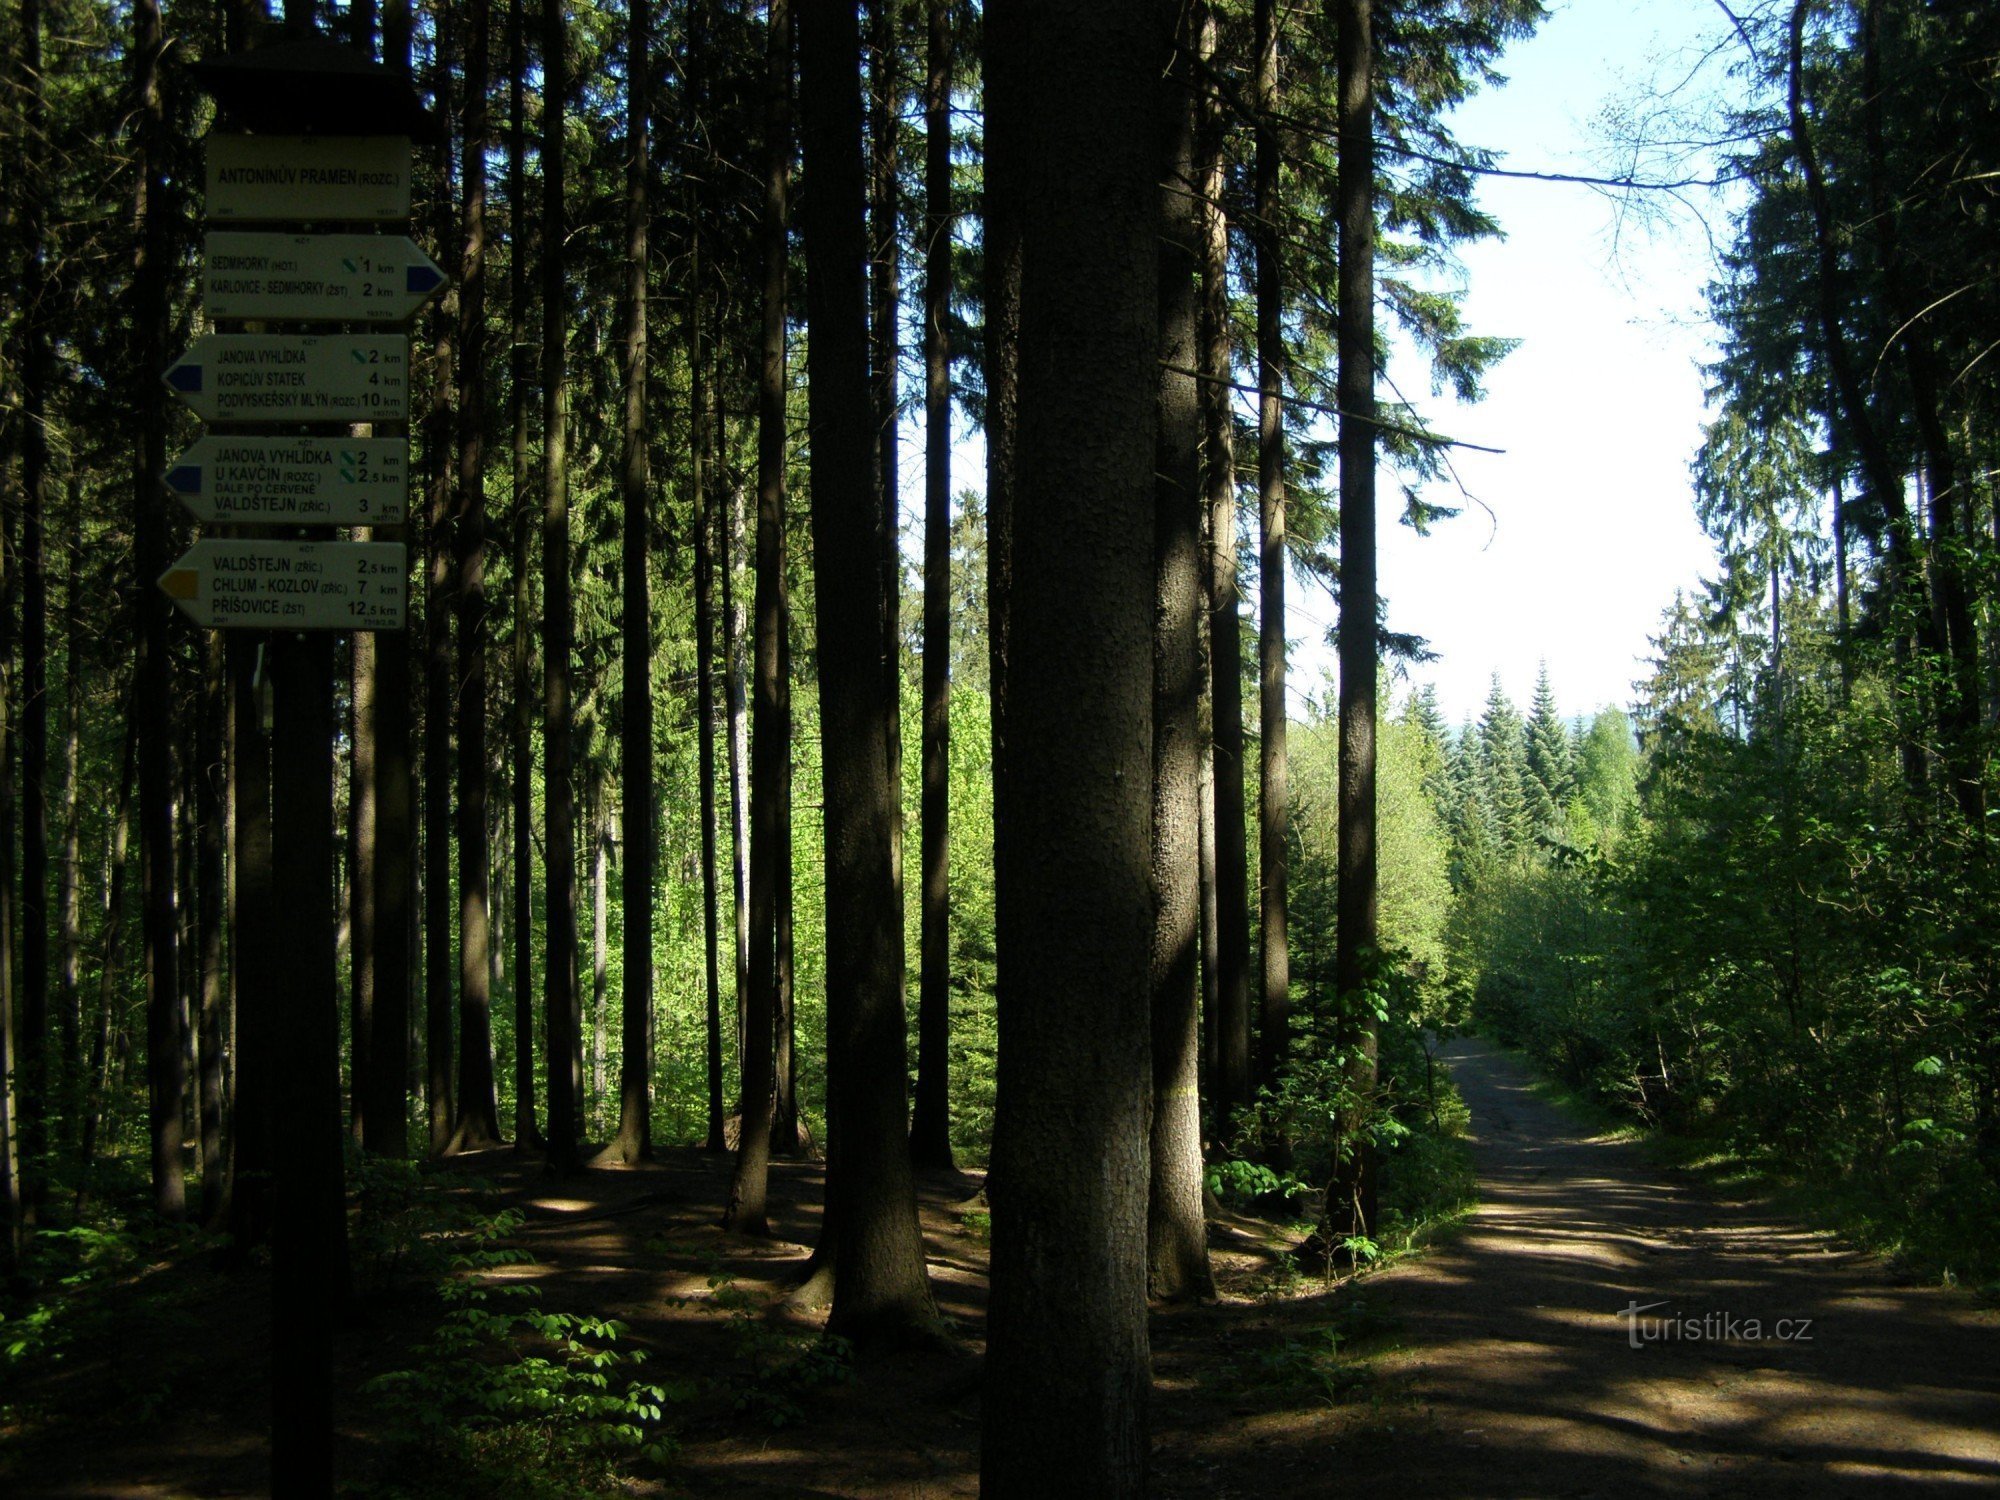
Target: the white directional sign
(358, 278)
(270, 178)
(294, 481)
(260, 377)
(291, 585)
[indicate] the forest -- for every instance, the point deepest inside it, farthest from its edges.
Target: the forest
(825, 905)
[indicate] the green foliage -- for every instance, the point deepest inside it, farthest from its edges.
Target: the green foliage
(502, 1397)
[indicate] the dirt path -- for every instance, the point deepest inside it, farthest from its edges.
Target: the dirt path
(1527, 1377)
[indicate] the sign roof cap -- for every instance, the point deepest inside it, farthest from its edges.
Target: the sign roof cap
(312, 85)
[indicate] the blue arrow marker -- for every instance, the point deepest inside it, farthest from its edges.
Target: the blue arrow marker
(184, 479)
(420, 280)
(185, 377)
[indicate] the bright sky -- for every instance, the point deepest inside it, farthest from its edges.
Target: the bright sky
(1599, 410)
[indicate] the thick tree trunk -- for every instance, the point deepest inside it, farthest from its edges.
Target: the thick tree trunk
(880, 1290)
(31, 1020)
(1350, 1201)
(521, 753)
(746, 1212)
(558, 795)
(478, 1102)
(930, 1126)
(1273, 797)
(166, 1079)
(1176, 1231)
(1231, 1025)
(885, 106)
(634, 1140)
(1072, 110)
(440, 1103)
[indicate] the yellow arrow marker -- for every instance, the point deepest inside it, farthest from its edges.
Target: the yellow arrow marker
(180, 583)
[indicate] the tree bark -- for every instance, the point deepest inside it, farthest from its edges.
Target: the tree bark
(884, 307)
(211, 798)
(880, 1290)
(521, 753)
(702, 525)
(1231, 1026)
(1350, 1201)
(1176, 1230)
(558, 793)
(440, 597)
(1072, 111)
(737, 667)
(166, 1079)
(930, 1127)
(31, 1020)
(1273, 798)
(634, 1140)
(746, 1213)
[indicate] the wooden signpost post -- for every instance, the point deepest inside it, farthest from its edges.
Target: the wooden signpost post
(282, 457)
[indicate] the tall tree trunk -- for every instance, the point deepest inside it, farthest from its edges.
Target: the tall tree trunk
(598, 817)
(166, 1079)
(1273, 800)
(746, 1213)
(69, 872)
(1176, 1231)
(362, 880)
(211, 800)
(31, 1079)
(1350, 1201)
(439, 599)
(634, 1140)
(478, 1101)
(880, 1289)
(930, 1126)
(784, 1058)
(558, 796)
(704, 632)
(10, 1143)
(737, 667)
(1072, 91)
(117, 840)
(392, 1044)
(884, 250)
(521, 758)
(1231, 1024)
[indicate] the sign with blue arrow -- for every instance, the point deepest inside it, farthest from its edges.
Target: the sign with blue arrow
(316, 278)
(287, 481)
(262, 377)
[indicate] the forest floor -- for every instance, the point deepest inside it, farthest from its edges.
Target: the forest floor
(1500, 1362)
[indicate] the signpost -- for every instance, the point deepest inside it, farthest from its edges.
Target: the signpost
(288, 178)
(291, 377)
(222, 582)
(362, 278)
(290, 481)
(263, 189)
